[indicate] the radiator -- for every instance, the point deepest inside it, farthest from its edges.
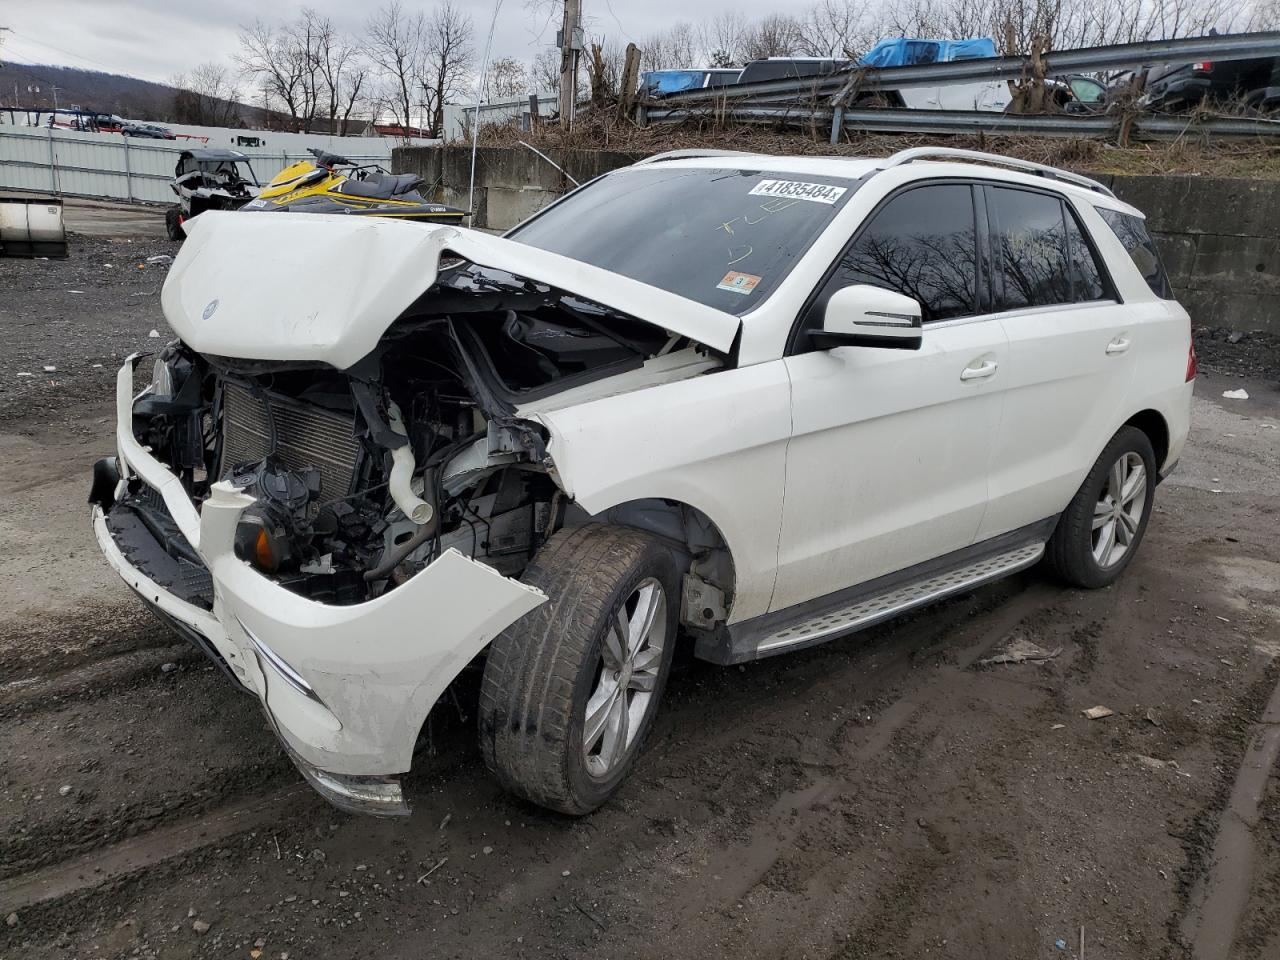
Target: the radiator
(306, 436)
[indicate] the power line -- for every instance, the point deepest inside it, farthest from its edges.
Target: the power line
(66, 53)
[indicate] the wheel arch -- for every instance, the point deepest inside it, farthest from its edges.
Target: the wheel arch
(707, 550)
(1153, 424)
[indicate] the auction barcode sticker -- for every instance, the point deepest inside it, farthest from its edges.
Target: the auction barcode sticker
(798, 190)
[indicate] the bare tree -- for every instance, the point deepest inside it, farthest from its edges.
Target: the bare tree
(837, 28)
(445, 71)
(207, 96)
(544, 71)
(268, 57)
(396, 42)
(676, 48)
(775, 35)
(721, 38)
(507, 79)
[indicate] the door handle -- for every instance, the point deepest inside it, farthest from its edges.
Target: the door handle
(986, 368)
(1118, 345)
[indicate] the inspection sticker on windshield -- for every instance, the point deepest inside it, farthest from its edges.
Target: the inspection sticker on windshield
(817, 192)
(737, 282)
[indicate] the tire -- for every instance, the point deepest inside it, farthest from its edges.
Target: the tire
(173, 224)
(1076, 552)
(544, 671)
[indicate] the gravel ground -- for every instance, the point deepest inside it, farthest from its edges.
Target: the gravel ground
(888, 795)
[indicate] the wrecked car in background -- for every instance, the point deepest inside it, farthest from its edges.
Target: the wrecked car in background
(754, 402)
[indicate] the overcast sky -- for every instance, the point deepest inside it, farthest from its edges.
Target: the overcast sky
(155, 39)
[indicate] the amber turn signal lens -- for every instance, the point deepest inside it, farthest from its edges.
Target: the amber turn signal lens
(262, 552)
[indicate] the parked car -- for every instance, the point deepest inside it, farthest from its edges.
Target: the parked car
(657, 83)
(788, 68)
(147, 130)
(752, 403)
(1253, 83)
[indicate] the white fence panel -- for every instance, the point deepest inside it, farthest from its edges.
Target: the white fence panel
(111, 166)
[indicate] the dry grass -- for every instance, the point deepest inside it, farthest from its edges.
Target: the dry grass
(1192, 154)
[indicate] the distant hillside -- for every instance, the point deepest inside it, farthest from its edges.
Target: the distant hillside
(100, 91)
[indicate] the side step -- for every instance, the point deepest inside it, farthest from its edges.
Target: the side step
(877, 601)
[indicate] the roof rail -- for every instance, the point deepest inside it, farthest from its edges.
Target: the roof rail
(976, 156)
(693, 154)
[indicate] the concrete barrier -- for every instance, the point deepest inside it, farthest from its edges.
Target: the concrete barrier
(1220, 238)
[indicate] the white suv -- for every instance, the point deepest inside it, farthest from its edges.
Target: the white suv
(757, 402)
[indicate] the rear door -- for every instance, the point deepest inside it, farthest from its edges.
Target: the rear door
(1071, 354)
(889, 452)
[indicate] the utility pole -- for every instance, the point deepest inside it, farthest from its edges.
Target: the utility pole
(570, 43)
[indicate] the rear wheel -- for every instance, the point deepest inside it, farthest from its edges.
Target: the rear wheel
(1102, 527)
(570, 691)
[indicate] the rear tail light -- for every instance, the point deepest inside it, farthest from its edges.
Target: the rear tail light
(1191, 362)
(1202, 66)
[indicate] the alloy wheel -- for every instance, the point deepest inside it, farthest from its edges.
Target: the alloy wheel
(1117, 516)
(626, 675)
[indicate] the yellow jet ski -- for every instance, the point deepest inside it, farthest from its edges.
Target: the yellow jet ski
(333, 184)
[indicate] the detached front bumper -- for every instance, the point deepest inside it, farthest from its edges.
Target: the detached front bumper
(346, 688)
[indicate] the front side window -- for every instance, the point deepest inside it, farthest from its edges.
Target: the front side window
(725, 238)
(922, 243)
(1132, 233)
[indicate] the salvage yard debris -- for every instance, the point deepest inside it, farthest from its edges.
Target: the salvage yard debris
(1021, 650)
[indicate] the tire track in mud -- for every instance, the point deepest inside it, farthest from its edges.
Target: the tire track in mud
(125, 837)
(737, 869)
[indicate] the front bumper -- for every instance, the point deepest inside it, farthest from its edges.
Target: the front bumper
(346, 688)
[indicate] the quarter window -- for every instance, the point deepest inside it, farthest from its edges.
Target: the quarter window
(1132, 233)
(922, 244)
(1087, 281)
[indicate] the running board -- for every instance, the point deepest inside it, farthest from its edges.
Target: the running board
(878, 601)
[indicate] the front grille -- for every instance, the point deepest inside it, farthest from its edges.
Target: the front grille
(306, 436)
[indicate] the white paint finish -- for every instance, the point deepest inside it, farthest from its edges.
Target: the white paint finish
(326, 287)
(888, 463)
(1064, 392)
(716, 442)
(134, 458)
(990, 95)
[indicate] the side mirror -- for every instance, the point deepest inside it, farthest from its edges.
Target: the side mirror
(867, 316)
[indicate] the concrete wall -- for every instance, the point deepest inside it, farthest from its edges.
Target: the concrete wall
(1220, 238)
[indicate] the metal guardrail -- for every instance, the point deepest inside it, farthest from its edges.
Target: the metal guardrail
(1238, 46)
(970, 121)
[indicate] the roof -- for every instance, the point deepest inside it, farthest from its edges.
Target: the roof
(215, 154)
(855, 168)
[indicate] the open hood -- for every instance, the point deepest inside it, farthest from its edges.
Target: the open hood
(314, 287)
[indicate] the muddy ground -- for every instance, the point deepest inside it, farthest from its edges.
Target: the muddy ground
(888, 795)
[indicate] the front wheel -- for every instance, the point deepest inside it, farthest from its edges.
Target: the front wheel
(570, 690)
(1101, 529)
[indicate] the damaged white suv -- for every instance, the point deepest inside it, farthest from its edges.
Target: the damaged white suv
(754, 402)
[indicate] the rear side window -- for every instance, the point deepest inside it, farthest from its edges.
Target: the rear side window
(923, 244)
(1132, 233)
(1041, 254)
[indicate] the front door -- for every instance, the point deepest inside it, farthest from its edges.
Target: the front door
(888, 459)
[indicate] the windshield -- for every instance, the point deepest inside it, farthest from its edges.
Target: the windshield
(725, 238)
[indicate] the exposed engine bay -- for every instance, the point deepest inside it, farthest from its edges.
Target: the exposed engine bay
(364, 476)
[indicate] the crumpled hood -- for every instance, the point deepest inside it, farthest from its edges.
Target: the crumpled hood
(319, 287)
